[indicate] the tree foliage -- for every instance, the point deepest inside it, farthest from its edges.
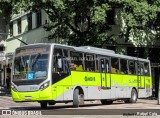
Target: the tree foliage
(87, 22)
(141, 19)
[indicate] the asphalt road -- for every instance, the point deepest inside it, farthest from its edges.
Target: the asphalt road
(143, 108)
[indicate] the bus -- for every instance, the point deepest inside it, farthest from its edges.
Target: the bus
(55, 73)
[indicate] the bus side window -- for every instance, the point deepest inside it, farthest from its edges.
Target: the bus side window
(57, 64)
(124, 67)
(65, 61)
(114, 65)
(140, 68)
(76, 61)
(146, 69)
(89, 62)
(131, 67)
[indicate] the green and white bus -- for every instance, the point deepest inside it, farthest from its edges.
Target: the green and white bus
(55, 73)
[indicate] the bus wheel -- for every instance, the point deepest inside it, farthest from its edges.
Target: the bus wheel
(43, 105)
(134, 97)
(77, 98)
(106, 102)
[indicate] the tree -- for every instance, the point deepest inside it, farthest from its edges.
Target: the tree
(6, 9)
(87, 22)
(80, 22)
(141, 20)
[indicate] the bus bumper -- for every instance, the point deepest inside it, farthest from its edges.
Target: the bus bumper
(39, 95)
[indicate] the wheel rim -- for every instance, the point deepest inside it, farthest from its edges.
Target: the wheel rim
(134, 96)
(80, 99)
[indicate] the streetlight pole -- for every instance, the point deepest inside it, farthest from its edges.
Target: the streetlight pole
(14, 37)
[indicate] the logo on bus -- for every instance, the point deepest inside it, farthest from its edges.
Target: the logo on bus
(134, 81)
(89, 78)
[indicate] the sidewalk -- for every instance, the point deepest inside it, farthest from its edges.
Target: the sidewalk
(4, 91)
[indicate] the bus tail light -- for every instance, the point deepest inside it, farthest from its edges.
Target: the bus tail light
(43, 86)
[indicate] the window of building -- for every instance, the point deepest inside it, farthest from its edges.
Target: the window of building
(19, 26)
(132, 69)
(2, 48)
(123, 65)
(111, 17)
(89, 62)
(11, 28)
(114, 65)
(76, 61)
(29, 19)
(38, 19)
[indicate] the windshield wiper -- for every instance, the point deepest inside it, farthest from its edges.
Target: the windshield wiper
(22, 61)
(34, 60)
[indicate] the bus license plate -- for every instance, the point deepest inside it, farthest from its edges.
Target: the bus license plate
(28, 97)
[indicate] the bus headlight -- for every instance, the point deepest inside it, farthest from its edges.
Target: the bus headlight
(43, 86)
(13, 87)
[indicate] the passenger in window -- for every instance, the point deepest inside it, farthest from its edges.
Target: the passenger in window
(72, 66)
(140, 71)
(78, 66)
(114, 67)
(114, 70)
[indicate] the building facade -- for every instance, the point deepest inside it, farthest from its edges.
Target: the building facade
(2, 48)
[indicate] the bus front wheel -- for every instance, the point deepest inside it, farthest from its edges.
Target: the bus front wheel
(43, 105)
(78, 98)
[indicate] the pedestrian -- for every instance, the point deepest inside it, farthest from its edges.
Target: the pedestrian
(8, 80)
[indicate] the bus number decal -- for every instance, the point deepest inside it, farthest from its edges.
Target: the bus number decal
(89, 78)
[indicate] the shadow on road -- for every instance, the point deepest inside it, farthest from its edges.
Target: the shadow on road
(52, 107)
(59, 106)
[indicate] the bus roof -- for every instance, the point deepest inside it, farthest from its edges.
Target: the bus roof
(100, 51)
(93, 50)
(97, 49)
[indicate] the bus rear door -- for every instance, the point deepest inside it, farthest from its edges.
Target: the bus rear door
(105, 77)
(141, 77)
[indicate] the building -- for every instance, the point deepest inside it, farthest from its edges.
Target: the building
(2, 48)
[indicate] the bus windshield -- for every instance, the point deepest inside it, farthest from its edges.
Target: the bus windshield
(30, 67)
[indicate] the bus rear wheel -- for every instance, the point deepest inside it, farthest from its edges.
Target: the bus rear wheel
(134, 97)
(106, 102)
(43, 105)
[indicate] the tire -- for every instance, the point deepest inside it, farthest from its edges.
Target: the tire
(106, 102)
(76, 98)
(134, 97)
(43, 105)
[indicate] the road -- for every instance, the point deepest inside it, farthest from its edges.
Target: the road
(143, 107)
